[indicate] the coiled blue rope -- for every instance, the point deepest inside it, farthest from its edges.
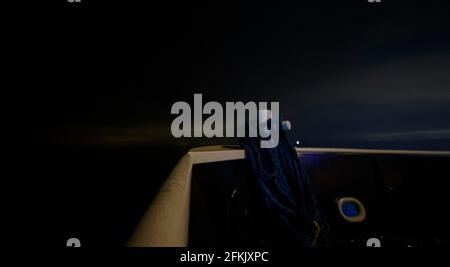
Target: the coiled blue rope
(293, 215)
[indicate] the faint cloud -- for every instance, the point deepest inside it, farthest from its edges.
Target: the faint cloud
(437, 134)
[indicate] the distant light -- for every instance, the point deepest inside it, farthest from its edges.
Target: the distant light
(298, 142)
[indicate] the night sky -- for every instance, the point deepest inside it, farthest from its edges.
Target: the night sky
(89, 88)
(355, 74)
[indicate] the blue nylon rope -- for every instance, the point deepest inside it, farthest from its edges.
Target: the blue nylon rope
(286, 196)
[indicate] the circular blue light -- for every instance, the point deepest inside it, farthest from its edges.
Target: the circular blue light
(350, 209)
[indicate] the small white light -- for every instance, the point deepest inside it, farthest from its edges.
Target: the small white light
(298, 142)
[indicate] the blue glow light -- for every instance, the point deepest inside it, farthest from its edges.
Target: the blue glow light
(350, 209)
